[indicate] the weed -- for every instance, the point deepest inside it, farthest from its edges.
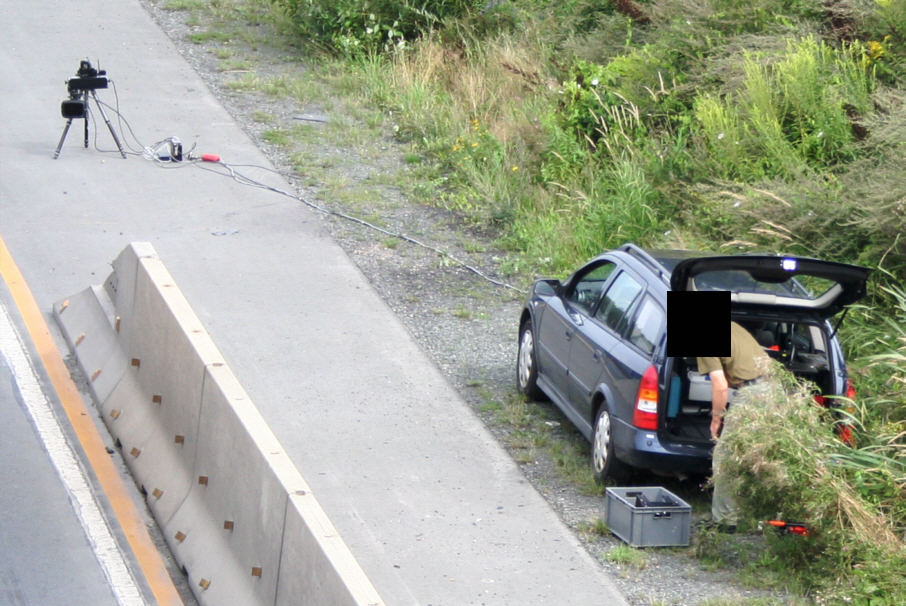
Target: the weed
(462, 313)
(515, 411)
(263, 117)
(490, 406)
(597, 527)
(755, 601)
(209, 36)
(234, 65)
(183, 5)
(571, 460)
(301, 88)
(624, 555)
(276, 136)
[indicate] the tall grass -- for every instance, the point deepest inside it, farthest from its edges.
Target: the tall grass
(789, 465)
(791, 114)
(569, 163)
(786, 463)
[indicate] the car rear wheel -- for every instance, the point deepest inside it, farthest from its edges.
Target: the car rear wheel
(604, 463)
(526, 365)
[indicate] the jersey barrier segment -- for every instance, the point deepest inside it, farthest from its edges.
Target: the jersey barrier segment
(235, 511)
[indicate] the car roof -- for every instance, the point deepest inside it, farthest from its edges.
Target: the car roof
(669, 258)
(661, 262)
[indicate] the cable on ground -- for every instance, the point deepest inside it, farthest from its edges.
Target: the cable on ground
(168, 153)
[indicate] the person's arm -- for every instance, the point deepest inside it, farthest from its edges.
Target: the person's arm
(720, 392)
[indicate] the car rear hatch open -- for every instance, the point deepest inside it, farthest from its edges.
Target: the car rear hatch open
(795, 284)
(784, 302)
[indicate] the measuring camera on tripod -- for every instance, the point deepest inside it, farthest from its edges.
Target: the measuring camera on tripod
(82, 88)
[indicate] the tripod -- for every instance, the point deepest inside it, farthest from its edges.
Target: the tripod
(77, 107)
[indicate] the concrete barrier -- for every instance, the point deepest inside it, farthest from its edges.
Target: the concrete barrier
(235, 511)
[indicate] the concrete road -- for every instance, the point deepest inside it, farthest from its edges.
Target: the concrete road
(431, 506)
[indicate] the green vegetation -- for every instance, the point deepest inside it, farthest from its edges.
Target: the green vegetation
(361, 26)
(628, 556)
(787, 466)
(576, 125)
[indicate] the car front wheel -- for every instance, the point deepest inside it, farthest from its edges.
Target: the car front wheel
(604, 463)
(526, 365)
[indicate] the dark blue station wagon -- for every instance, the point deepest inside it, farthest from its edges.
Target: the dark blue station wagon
(595, 345)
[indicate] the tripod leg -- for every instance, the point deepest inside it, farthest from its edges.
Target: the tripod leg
(56, 154)
(109, 126)
(86, 130)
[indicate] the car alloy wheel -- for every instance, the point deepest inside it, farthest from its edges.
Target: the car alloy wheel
(601, 447)
(604, 463)
(526, 368)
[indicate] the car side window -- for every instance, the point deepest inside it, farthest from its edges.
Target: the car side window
(588, 287)
(647, 327)
(617, 301)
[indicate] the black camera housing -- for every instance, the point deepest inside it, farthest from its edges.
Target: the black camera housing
(87, 78)
(73, 108)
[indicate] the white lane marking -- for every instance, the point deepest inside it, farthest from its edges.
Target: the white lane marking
(99, 535)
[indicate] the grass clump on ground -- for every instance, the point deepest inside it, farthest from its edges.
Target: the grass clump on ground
(786, 463)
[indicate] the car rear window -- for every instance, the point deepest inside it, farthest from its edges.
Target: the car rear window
(647, 326)
(741, 281)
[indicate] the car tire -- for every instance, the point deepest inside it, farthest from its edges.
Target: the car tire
(526, 364)
(604, 463)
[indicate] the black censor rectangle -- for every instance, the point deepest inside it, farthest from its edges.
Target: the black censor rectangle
(698, 323)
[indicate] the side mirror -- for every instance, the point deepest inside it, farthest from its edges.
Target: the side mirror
(547, 288)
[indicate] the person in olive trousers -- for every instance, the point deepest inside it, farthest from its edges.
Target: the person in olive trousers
(743, 368)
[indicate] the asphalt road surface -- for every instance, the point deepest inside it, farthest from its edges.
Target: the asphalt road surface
(38, 521)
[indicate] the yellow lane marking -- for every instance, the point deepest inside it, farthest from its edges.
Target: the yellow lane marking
(125, 510)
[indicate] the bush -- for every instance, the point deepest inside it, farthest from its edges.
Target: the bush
(786, 463)
(593, 110)
(353, 26)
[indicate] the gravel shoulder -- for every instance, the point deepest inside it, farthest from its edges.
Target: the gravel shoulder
(464, 322)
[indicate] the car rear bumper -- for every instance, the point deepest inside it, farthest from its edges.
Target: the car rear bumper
(644, 449)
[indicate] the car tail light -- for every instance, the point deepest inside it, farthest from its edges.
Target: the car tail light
(844, 429)
(850, 389)
(849, 392)
(645, 414)
(845, 433)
